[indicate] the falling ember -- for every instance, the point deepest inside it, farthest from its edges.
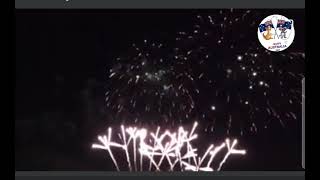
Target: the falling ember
(254, 73)
(261, 83)
(174, 149)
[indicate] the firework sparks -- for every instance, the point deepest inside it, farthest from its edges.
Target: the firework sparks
(208, 73)
(246, 80)
(173, 147)
(147, 85)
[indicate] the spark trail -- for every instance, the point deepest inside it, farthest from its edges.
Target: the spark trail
(165, 151)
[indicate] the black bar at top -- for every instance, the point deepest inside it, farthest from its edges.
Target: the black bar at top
(158, 4)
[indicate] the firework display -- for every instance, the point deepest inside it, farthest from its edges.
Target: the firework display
(149, 85)
(176, 148)
(157, 83)
(161, 90)
(249, 87)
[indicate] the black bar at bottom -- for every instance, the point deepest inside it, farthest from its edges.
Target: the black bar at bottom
(226, 175)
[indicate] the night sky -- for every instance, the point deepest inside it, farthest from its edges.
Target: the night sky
(68, 63)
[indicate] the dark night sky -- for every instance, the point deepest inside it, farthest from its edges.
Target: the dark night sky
(62, 60)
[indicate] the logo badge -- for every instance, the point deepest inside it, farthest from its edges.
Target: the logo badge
(276, 32)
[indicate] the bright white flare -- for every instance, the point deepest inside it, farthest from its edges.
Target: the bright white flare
(173, 149)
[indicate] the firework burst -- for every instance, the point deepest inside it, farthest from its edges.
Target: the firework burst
(164, 151)
(148, 85)
(212, 74)
(246, 87)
